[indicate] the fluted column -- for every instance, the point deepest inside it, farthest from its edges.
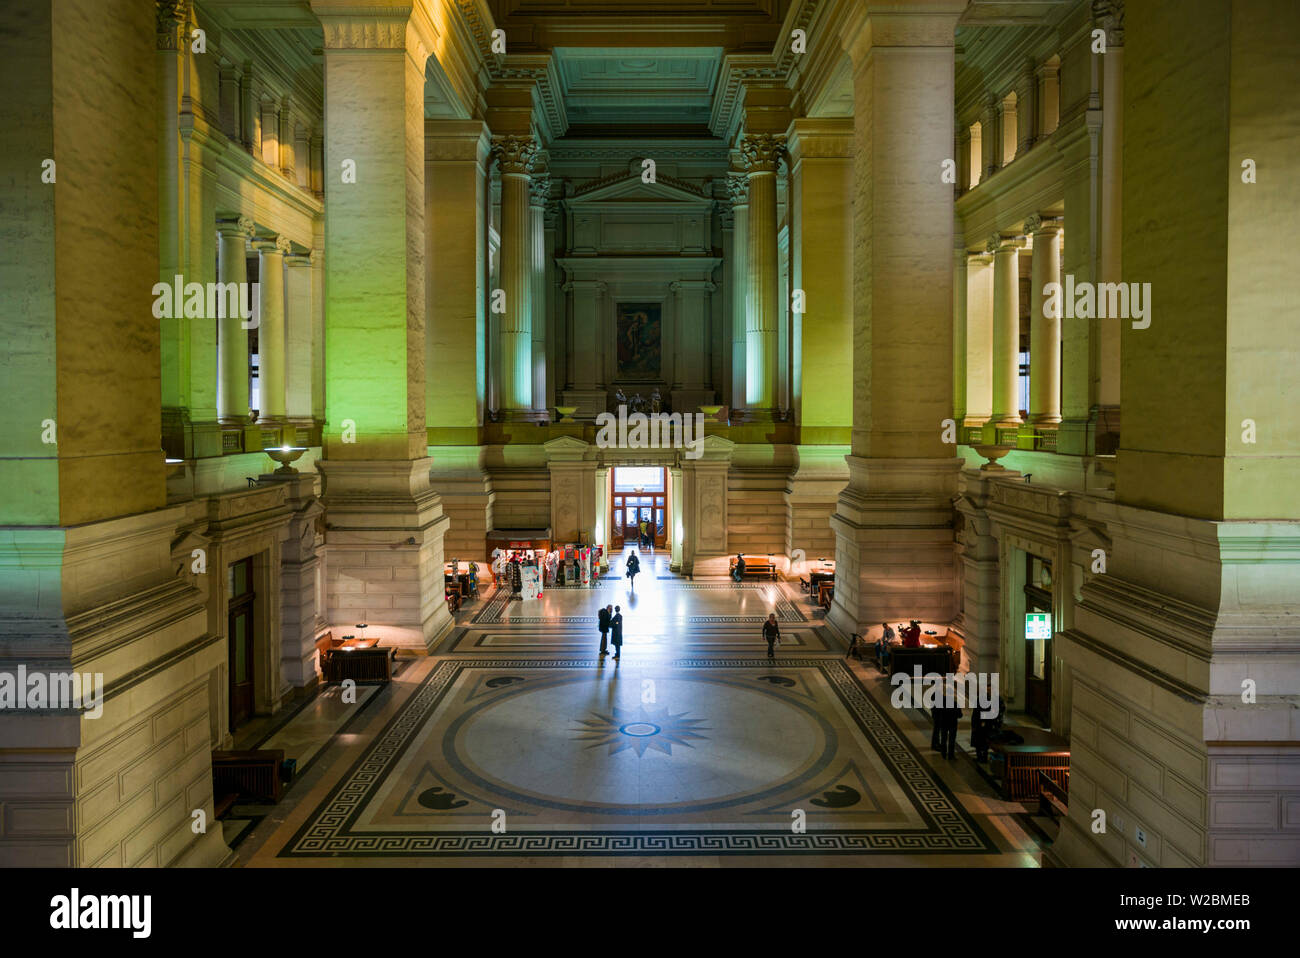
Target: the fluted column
(691, 327)
(1044, 331)
(762, 153)
(539, 188)
(232, 335)
(516, 154)
(738, 188)
(270, 330)
(959, 335)
(1006, 330)
(979, 339)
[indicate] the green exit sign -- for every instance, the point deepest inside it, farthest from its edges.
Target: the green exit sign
(1038, 625)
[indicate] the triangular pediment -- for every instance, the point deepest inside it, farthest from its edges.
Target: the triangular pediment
(629, 189)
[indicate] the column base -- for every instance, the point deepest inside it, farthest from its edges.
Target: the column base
(689, 401)
(749, 414)
(522, 415)
(385, 528)
(895, 557)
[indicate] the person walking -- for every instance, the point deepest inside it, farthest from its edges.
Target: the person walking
(772, 633)
(616, 632)
(642, 527)
(633, 567)
(603, 622)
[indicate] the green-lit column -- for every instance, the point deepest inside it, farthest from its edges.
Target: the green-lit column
(515, 155)
(762, 153)
(270, 329)
(386, 522)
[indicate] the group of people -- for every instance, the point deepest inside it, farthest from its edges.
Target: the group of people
(610, 623)
(911, 634)
(647, 535)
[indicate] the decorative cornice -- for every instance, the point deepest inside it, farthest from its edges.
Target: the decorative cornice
(762, 152)
(515, 154)
(368, 33)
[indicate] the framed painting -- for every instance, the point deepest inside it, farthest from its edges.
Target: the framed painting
(639, 340)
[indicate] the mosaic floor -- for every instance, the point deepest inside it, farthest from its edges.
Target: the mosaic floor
(515, 743)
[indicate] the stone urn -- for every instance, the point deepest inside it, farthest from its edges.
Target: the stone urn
(566, 413)
(710, 412)
(285, 455)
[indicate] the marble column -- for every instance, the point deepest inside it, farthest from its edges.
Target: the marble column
(588, 393)
(738, 189)
(539, 187)
(515, 155)
(298, 339)
(762, 153)
(386, 522)
(979, 339)
(1006, 331)
(1111, 185)
(1044, 331)
(232, 333)
(893, 521)
(270, 330)
(286, 138)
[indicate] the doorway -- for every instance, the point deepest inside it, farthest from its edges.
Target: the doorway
(240, 624)
(640, 494)
(1038, 652)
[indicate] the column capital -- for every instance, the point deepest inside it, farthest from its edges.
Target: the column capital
(171, 17)
(997, 243)
(300, 259)
(539, 186)
(1109, 15)
(738, 188)
(270, 244)
(762, 152)
(1038, 223)
(515, 154)
(692, 285)
(880, 23)
(239, 225)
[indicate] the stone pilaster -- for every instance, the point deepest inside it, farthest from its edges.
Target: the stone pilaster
(704, 508)
(572, 467)
(893, 524)
(692, 323)
(588, 393)
(762, 153)
(455, 165)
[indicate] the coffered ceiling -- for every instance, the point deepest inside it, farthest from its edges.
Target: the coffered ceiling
(638, 85)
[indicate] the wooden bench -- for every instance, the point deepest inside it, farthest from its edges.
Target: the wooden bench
(1018, 767)
(825, 594)
(756, 567)
(1053, 798)
(252, 775)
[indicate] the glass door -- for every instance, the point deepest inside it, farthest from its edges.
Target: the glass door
(1038, 652)
(640, 507)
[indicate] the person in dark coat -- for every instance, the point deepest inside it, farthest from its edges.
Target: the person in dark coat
(949, 714)
(602, 623)
(633, 567)
(738, 572)
(616, 631)
(772, 634)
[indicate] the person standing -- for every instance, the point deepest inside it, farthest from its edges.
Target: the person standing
(949, 716)
(616, 632)
(642, 527)
(912, 636)
(772, 633)
(603, 622)
(633, 567)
